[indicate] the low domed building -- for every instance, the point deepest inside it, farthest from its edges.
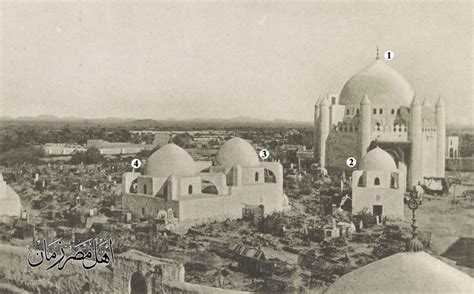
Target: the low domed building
(10, 204)
(378, 185)
(172, 185)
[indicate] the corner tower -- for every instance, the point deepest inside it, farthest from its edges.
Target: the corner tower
(415, 135)
(324, 130)
(365, 124)
(316, 129)
(440, 113)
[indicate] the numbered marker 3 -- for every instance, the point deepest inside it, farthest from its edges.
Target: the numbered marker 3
(264, 154)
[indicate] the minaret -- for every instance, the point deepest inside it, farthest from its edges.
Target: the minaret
(415, 138)
(365, 124)
(324, 130)
(440, 113)
(316, 129)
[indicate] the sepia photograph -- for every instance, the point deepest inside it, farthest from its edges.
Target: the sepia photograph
(199, 147)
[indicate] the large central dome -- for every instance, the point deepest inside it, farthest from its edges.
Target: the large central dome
(382, 84)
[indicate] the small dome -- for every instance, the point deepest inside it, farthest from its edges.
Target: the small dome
(237, 151)
(170, 160)
(378, 160)
(381, 83)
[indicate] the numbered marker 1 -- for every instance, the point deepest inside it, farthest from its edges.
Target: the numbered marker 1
(388, 55)
(351, 162)
(264, 154)
(136, 163)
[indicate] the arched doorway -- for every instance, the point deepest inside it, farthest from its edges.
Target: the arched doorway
(138, 284)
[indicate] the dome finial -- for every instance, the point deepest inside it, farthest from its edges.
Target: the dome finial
(377, 56)
(414, 244)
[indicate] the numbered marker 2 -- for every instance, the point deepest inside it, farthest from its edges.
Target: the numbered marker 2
(351, 162)
(136, 163)
(264, 154)
(389, 55)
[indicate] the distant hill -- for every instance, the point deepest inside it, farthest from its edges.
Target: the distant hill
(240, 121)
(142, 123)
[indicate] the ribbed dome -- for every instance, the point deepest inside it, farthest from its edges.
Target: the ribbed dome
(170, 160)
(378, 160)
(237, 151)
(405, 272)
(381, 83)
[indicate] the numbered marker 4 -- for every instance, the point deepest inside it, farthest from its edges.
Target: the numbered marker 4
(264, 154)
(351, 162)
(136, 163)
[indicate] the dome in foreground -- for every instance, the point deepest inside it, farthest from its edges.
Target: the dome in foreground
(378, 159)
(237, 151)
(382, 84)
(170, 160)
(405, 272)
(10, 204)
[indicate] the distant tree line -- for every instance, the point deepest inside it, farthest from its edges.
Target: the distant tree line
(24, 136)
(22, 155)
(90, 156)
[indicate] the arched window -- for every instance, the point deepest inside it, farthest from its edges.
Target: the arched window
(451, 153)
(357, 110)
(347, 111)
(395, 127)
(380, 111)
(256, 177)
(377, 125)
(190, 189)
(377, 182)
(392, 182)
(393, 111)
(144, 189)
(361, 183)
(134, 186)
(375, 110)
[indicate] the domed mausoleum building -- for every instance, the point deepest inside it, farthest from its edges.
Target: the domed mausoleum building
(378, 104)
(378, 185)
(172, 186)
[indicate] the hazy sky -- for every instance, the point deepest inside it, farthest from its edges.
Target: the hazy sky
(200, 60)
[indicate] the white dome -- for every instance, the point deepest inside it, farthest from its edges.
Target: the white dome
(382, 84)
(405, 272)
(170, 160)
(237, 151)
(378, 160)
(10, 204)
